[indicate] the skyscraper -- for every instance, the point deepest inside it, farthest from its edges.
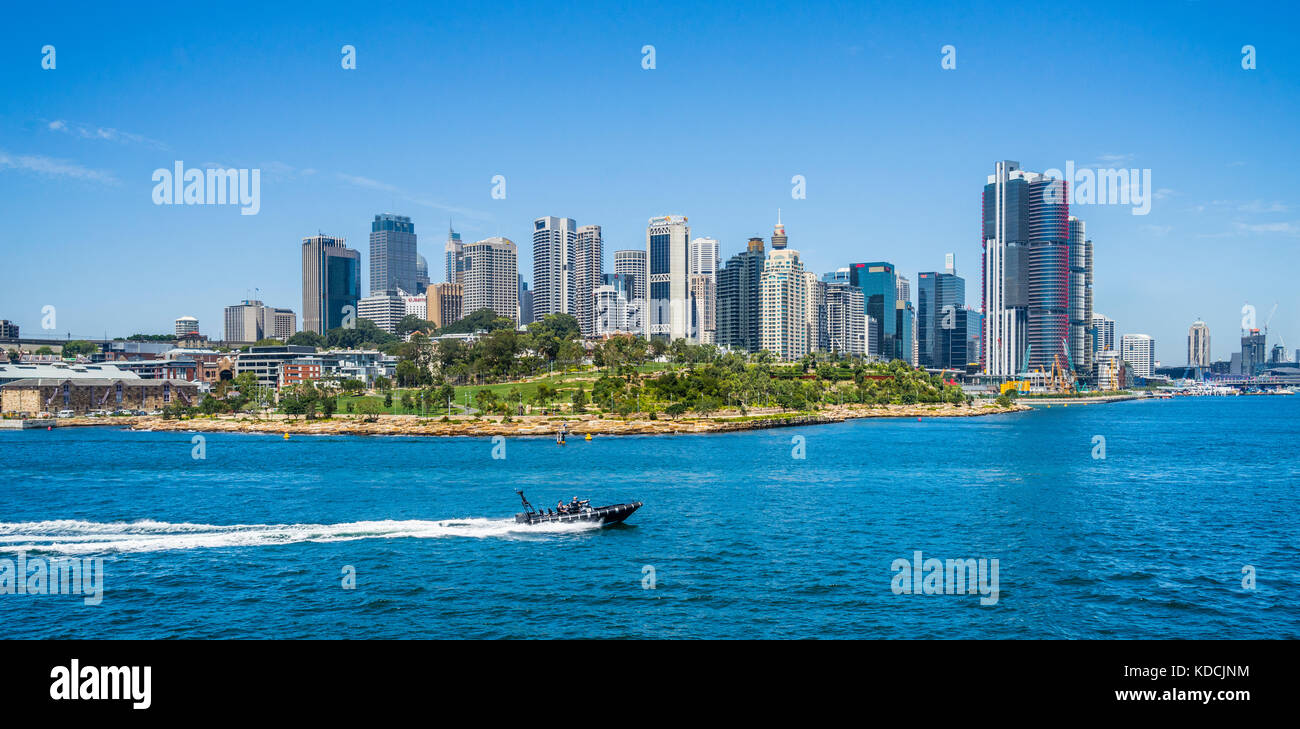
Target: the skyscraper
(703, 283)
(815, 313)
(667, 249)
(492, 277)
(845, 322)
(738, 299)
(331, 282)
(445, 304)
(1198, 344)
(783, 306)
(251, 321)
(632, 263)
(1252, 352)
(421, 274)
(555, 243)
(393, 259)
(525, 303)
(1026, 270)
(589, 266)
(1080, 297)
(1103, 333)
(454, 253)
(940, 317)
(1139, 350)
(879, 284)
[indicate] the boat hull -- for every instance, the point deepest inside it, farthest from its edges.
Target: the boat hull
(603, 515)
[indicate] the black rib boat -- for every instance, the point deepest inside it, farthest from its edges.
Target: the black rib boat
(580, 511)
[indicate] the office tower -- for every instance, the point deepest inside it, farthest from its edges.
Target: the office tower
(939, 298)
(589, 266)
(525, 303)
(904, 288)
(704, 257)
(444, 302)
(187, 326)
(1198, 344)
(737, 316)
(1277, 355)
(421, 273)
(1252, 353)
(1139, 350)
(779, 239)
(492, 277)
(632, 263)
(280, 323)
(454, 254)
(703, 312)
(392, 254)
(815, 313)
(872, 327)
(245, 321)
(845, 322)
(702, 270)
(1025, 271)
(906, 315)
(611, 299)
(783, 306)
(1081, 348)
(879, 284)
(1104, 333)
(555, 243)
(331, 283)
(384, 309)
(974, 335)
(667, 250)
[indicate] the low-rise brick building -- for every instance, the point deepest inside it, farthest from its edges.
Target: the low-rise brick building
(81, 395)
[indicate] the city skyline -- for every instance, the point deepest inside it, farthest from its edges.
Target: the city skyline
(76, 163)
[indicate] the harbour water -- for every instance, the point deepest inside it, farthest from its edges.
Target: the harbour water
(785, 533)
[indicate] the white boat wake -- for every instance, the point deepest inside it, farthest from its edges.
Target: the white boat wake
(87, 537)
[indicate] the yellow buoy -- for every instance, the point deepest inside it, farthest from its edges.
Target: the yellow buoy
(286, 436)
(588, 436)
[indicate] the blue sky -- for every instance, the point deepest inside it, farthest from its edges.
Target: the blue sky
(895, 149)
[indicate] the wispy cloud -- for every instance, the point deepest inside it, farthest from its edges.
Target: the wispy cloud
(107, 134)
(372, 184)
(1261, 206)
(1157, 230)
(1284, 228)
(51, 167)
(1113, 159)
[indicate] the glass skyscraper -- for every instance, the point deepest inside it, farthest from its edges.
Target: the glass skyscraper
(879, 284)
(1026, 281)
(737, 315)
(331, 282)
(941, 319)
(394, 264)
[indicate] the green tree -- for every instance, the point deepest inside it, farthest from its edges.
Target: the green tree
(307, 339)
(79, 346)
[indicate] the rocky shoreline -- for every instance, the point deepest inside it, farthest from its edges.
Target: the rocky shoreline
(547, 426)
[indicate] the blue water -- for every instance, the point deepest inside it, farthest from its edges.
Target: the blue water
(744, 540)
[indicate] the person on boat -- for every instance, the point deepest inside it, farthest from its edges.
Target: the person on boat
(559, 508)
